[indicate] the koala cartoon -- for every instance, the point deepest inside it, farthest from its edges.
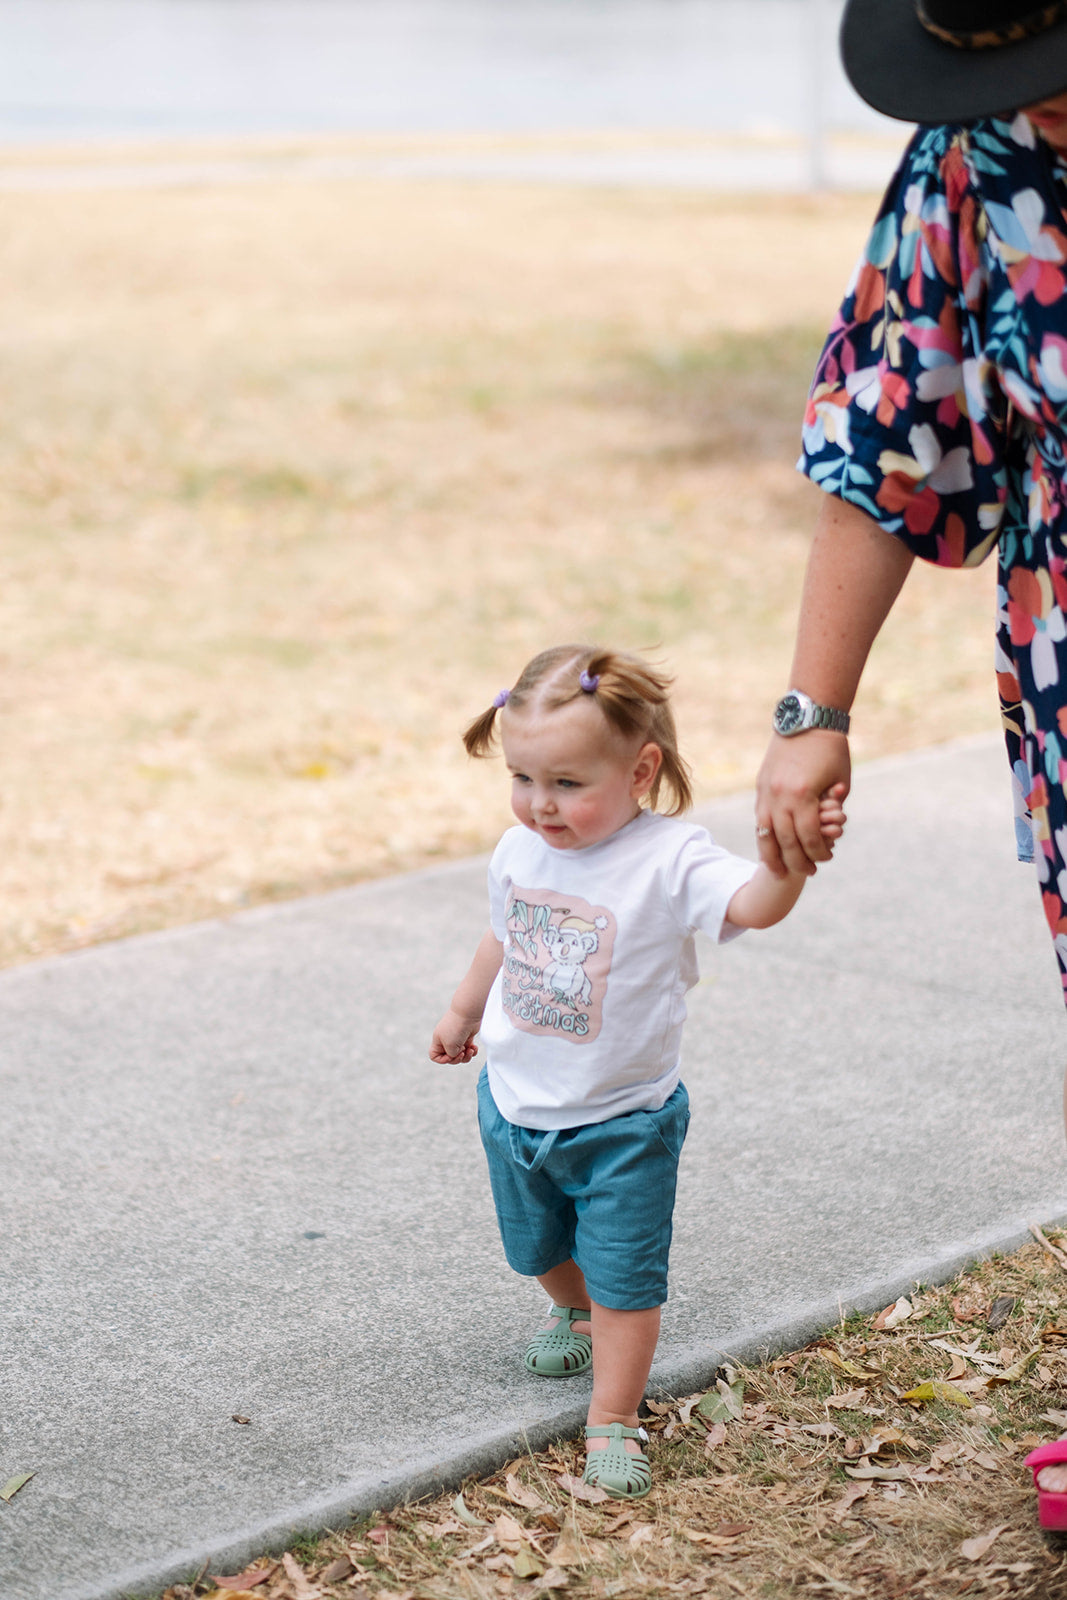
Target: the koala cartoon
(569, 945)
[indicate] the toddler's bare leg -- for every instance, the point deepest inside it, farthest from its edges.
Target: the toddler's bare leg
(566, 1286)
(624, 1343)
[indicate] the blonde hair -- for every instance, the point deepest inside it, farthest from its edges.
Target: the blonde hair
(633, 697)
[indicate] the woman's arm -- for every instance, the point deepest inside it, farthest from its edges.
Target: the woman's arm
(855, 572)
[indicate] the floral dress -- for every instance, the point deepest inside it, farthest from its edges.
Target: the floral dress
(939, 407)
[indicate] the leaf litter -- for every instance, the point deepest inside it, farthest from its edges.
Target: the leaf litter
(883, 1461)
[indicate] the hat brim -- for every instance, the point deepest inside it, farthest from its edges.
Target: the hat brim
(905, 72)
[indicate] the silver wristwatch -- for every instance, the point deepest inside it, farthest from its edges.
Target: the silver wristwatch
(796, 712)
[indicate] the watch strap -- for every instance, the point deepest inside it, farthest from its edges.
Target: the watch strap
(796, 712)
(830, 717)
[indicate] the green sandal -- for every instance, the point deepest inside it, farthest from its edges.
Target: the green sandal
(614, 1469)
(559, 1352)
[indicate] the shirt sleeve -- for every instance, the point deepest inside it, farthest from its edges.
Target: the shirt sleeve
(702, 880)
(906, 415)
(497, 896)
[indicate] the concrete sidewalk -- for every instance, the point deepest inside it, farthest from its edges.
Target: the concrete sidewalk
(234, 1184)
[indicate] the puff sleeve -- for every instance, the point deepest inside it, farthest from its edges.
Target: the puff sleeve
(907, 414)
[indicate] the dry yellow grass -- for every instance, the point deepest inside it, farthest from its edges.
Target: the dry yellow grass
(294, 477)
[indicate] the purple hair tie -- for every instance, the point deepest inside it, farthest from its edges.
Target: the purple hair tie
(501, 699)
(589, 681)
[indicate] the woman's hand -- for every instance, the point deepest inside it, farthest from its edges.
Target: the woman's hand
(796, 775)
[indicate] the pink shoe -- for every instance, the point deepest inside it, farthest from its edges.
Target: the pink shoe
(1051, 1508)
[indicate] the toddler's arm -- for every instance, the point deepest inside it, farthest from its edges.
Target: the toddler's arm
(765, 899)
(453, 1037)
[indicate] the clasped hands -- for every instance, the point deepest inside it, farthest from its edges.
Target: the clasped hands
(800, 791)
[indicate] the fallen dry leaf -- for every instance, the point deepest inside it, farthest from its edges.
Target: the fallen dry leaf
(337, 1570)
(715, 1437)
(972, 1385)
(554, 1578)
(1017, 1370)
(848, 1400)
(508, 1533)
(528, 1563)
(13, 1485)
(302, 1589)
(463, 1512)
(249, 1579)
(476, 1549)
(969, 1310)
(975, 1549)
(1000, 1311)
(581, 1490)
(642, 1534)
(893, 1315)
(938, 1389)
(724, 1403)
(520, 1495)
(686, 1407)
(565, 1553)
(836, 1359)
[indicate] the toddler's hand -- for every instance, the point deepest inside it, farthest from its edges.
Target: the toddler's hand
(832, 817)
(453, 1040)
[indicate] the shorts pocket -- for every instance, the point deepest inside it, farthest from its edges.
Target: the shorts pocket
(671, 1122)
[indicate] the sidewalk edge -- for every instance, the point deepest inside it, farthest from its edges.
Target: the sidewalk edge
(682, 1374)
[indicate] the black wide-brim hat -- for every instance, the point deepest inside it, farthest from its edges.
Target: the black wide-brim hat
(954, 60)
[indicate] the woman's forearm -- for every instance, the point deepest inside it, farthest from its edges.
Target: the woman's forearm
(855, 572)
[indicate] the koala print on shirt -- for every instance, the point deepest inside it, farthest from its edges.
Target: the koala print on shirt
(557, 956)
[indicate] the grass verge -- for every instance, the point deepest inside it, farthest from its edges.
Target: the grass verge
(883, 1460)
(296, 476)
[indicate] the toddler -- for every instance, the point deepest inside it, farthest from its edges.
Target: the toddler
(578, 990)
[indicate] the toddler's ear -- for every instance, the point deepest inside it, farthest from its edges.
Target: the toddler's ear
(646, 768)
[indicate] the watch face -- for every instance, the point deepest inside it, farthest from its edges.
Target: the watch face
(789, 714)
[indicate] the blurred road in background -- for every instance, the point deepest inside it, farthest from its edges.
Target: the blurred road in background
(762, 76)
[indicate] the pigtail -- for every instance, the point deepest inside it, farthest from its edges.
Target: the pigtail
(674, 775)
(480, 737)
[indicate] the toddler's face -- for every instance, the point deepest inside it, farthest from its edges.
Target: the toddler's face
(574, 780)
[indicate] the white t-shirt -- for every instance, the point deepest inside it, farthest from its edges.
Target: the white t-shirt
(584, 1020)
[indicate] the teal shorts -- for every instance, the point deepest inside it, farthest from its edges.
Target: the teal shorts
(601, 1195)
